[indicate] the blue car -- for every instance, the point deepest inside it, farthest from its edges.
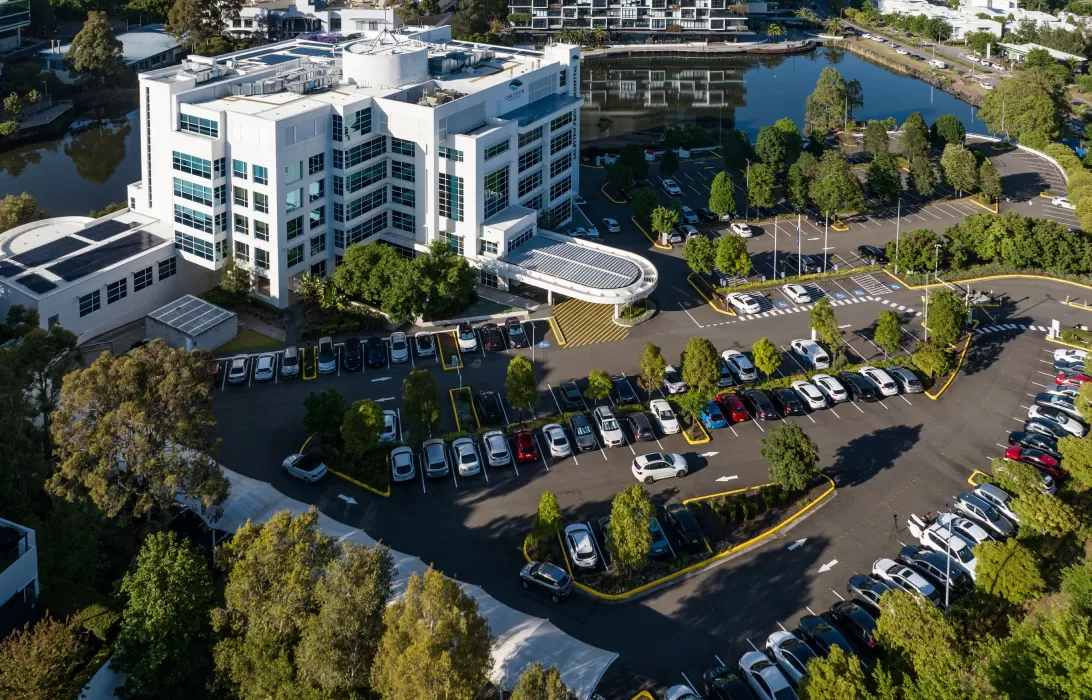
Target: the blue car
(712, 417)
(659, 546)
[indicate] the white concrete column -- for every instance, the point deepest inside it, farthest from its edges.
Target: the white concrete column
(616, 311)
(550, 297)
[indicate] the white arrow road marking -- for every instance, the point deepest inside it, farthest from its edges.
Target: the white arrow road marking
(727, 478)
(380, 379)
(828, 566)
(709, 454)
(348, 499)
(797, 543)
(385, 398)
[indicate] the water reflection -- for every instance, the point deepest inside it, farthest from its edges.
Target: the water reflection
(98, 149)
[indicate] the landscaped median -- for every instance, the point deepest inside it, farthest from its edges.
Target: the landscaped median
(648, 235)
(798, 279)
(934, 395)
(702, 287)
(466, 416)
(369, 471)
(450, 355)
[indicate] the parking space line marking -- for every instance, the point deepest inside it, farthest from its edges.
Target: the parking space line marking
(541, 454)
(453, 470)
(854, 405)
(595, 543)
(420, 471)
(689, 683)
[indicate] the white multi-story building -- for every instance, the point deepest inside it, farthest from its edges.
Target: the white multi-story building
(18, 572)
(289, 18)
(14, 18)
(634, 16)
(975, 15)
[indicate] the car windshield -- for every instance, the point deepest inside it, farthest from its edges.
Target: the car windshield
(558, 439)
(610, 424)
(467, 456)
(398, 344)
(671, 376)
(785, 694)
(466, 334)
(289, 361)
(666, 414)
(515, 330)
(582, 430)
(424, 341)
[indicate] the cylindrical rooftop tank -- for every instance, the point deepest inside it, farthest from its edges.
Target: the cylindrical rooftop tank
(384, 67)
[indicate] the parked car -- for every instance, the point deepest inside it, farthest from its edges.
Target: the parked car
(760, 404)
(578, 542)
(1070, 354)
(489, 407)
(265, 366)
(1035, 441)
(1063, 202)
(422, 340)
(435, 458)
(787, 402)
(725, 378)
(402, 464)
(1074, 379)
(672, 187)
(689, 215)
(546, 578)
(658, 465)
(492, 338)
(969, 531)
(290, 362)
(706, 214)
(352, 356)
(557, 442)
(906, 380)
(685, 524)
(1045, 426)
(711, 416)
(582, 432)
(399, 347)
(871, 252)
(660, 547)
(740, 365)
(719, 683)
(376, 352)
(664, 416)
(1070, 424)
(640, 426)
(790, 653)
(571, 398)
(687, 231)
(1036, 458)
(741, 229)
(984, 514)
(497, 452)
(466, 458)
(998, 498)
(733, 408)
(1063, 402)
(673, 381)
(831, 388)
(907, 579)
(517, 338)
(821, 636)
(743, 303)
(390, 427)
(306, 467)
(610, 431)
(622, 391)
(809, 394)
(1046, 481)
(811, 352)
(468, 339)
(611, 226)
(765, 678)
(238, 369)
(854, 619)
(860, 389)
(940, 569)
(327, 357)
(881, 380)
(526, 445)
(797, 293)
(868, 590)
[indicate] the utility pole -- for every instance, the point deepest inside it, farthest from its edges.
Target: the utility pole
(798, 245)
(747, 206)
(948, 567)
(826, 232)
(775, 246)
(898, 225)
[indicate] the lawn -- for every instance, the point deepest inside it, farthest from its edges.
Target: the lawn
(248, 341)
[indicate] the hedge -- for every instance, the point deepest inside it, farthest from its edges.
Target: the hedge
(1075, 336)
(993, 269)
(830, 274)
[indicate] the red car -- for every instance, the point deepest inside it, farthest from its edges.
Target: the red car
(733, 407)
(1071, 379)
(526, 447)
(1036, 458)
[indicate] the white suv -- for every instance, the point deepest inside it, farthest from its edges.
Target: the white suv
(609, 429)
(880, 379)
(810, 350)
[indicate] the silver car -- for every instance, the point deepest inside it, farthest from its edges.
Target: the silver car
(497, 451)
(290, 362)
(264, 367)
(578, 540)
(399, 347)
(424, 343)
(967, 530)
(308, 468)
(238, 369)
(465, 453)
(977, 509)
(609, 428)
(557, 440)
(830, 387)
(435, 458)
(997, 498)
(401, 459)
(791, 654)
(327, 357)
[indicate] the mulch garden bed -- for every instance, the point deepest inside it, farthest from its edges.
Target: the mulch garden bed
(729, 521)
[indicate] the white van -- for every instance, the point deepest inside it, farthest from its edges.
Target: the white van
(936, 63)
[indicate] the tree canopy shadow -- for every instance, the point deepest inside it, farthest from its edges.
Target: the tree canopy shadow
(864, 457)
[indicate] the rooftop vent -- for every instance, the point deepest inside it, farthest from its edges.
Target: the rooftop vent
(434, 98)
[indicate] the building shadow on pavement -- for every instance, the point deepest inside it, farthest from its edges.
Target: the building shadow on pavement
(864, 457)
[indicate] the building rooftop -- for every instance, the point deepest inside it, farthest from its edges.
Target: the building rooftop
(190, 315)
(136, 45)
(581, 265)
(1057, 55)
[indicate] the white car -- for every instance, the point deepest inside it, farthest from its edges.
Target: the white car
(797, 292)
(741, 229)
(390, 427)
(831, 388)
(659, 465)
(743, 303)
(399, 347)
(327, 355)
(986, 85)
(902, 52)
(557, 440)
(308, 468)
(237, 369)
(673, 381)
(264, 367)
(497, 451)
(609, 429)
(664, 416)
(672, 187)
(468, 337)
(810, 350)
(741, 366)
(422, 340)
(966, 529)
(687, 231)
(1062, 202)
(689, 215)
(906, 578)
(791, 654)
(880, 379)
(465, 454)
(809, 394)
(765, 678)
(434, 458)
(1070, 355)
(681, 692)
(578, 540)
(1069, 423)
(612, 226)
(401, 459)
(936, 538)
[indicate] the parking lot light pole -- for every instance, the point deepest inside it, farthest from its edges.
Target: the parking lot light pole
(898, 225)
(826, 232)
(775, 246)
(948, 568)
(747, 177)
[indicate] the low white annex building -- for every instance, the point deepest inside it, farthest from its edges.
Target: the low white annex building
(965, 19)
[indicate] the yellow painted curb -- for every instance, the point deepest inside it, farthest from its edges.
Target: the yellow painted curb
(1062, 342)
(655, 243)
(1014, 275)
(970, 479)
(595, 167)
(726, 312)
(958, 367)
(558, 335)
(1082, 307)
(314, 363)
(696, 499)
(603, 189)
(451, 393)
(974, 200)
(458, 353)
(839, 225)
(361, 484)
(643, 695)
(702, 429)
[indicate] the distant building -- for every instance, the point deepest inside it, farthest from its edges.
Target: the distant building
(289, 18)
(18, 575)
(1018, 52)
(965, 19)
(143, 49)
(14, 16)
(633, 16)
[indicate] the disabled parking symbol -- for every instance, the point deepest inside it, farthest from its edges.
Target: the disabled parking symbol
(859, 292)
(839, 295)
(782, 304)
(895, 286)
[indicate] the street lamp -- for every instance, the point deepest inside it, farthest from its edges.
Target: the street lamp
(898, 225)
(936, 261)
(747, 206)
(948, 566)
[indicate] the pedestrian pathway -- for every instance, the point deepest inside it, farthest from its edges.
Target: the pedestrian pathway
(870, 284)
(1009, 327)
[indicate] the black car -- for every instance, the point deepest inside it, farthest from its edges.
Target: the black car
(859, 388)
(854, 619)
(489, 407)
(685, 524)
(582, 432)
(352, 356)
(1069, 366)
(548, 579)
(786, 401)
(867, 590)
(821, 635)
(1034, 441)
(517, 338)
(622, 391)
(492, 338)
(706, 214)
(719, 683)
(641, 427)
(871, 252)
(571, 400)
(935, 567)
(376, 352)
(759, 403)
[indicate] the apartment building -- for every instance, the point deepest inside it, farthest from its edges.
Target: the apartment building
(707, 16)
(14, 18)
(290, 18)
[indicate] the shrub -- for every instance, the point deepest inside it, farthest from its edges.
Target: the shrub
(99, 619)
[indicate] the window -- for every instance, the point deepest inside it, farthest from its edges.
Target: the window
(450, 154)
(561, 187)
(261, 203)
(261, 258)
(116, 291)
(293, 173)
(339, 238)
(561, 142)
(403, 171)
(221, 222)
(564, 211)
(192, 245)
(339, 126)
(533, 203)
(191, 165)
(339, 160)
(261, 175)
(318, 244)
(316, 190)
(561, 78)
(530, 159)
(261, 230)
(487, 247)
(167, 268)
(560, 165)
(363, 205)
(198, 125)
(295, 255)
(238, 169)
(519, 239)
(89, 303)
(366, 228)
(365, 151)
(454, 240)
(192, 191)
(402, 195)
(496, 149)
(219, 167)
(318, 216)
(404, 222)
(496, 191)
(219, 195)
(319, 269)
(241, 196)
(529, 183)
(242, 251)
(530, 137)
(366, 177)
(402, 147)
(339, 212)
(359, 121)
(293, 200)
(295, 227)
(451, 196)
(489, 279)
(316, 164)
(193, 219)
(339, 186)
(242, 224)
(142, 279)
(562, 121)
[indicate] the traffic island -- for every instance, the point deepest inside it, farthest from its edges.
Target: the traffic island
(735, 518)
(369, 471)
(466, 416)
(448, 347)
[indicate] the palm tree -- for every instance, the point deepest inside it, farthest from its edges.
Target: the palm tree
(833, 26)
(809, 17)
(775, 31)
(599, 35)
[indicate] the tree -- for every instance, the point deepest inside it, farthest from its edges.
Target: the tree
(888, 333)
(989, 181)
(835, 187)
(920, 638)
(652, 368)
(520, 385)
(95, 53)
(760, 186)
(947, 129)
(838, 676)
(549, 512)
(884, 179)
(1043, 513)
(139, 411)
(793, 456)
(44, 358)
(791, 140)
(19, 209)
(922, 176)
(1008, 570)
(914, 137)
(539, 683)
(629, 539)
(48, 660)
(947, 316)
(664, 221)
(197, 22)
(767, 357)
(737, 149)
(796, 188)
(409, 13)
(875, 138)
(234, 278)
(833, 26)
(1017, 478)
(960, 168)
(599, 385)
(619, 177)
(917, 251)
(980, 41)
(832, 103)
(436, 644)
(770, 148)
(149, 9)
(669, 163)
(430, 7)
(933, 360)
(1030, 106)
(775, 31)
(722, 197)
(701, 368)
(421, 403)
(1046, 656)
(644, 201)
(699, 254)
(165, 622)
(1077, 452)
(634, 158)
(826, 324)
(447, 281)
(324, 412)
(361, 426)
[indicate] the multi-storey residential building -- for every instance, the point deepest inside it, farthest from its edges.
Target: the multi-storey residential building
(18, 575)
(14, 17)
(289, 18)
(634, 16)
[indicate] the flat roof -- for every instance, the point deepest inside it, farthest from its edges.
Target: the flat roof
(589, 267)
(191, 315)
(136, 44)
(1054, 53)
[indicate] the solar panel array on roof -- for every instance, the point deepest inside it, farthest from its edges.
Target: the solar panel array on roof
(103, 230)
(104, 256)
(10, 269)
(274, 59)
(592, 268)
(36, 283)
(190, 315)
(50, 251)
(310, 51)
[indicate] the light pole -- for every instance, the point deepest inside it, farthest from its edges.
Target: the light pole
(826, 232)
(936, 260)
(948, 566)
(747, 207)
(775, 246)
(898, 225)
